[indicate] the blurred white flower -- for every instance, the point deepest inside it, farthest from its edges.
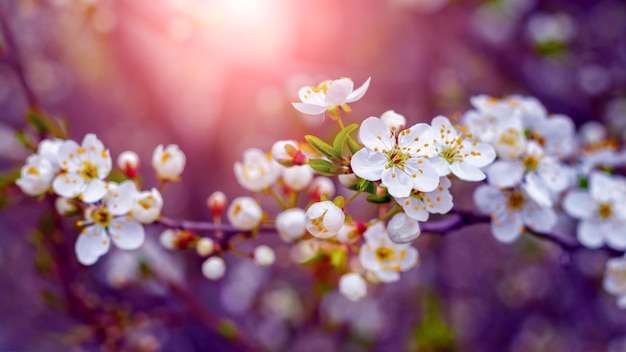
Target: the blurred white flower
(298, 177)
(148, 205)
(264, 255)
(403, 229)
(258, 170)
(128, 162)
(36, 175)
(384, 257)
(216, 203)
(168, 162)
(393, 121)
(244, 213)
(615, 279)
(290, 224)
(65, 206)
(419, 205)
(352, 286)
(329, 96)
(321, 187)
(214, 268)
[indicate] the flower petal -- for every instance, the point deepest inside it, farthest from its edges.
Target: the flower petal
(368, 165)
(538, 218)
(578, 204)
(338, 91)
(505, 174)
(94, 191)
(375, 135)
(68, 185)
(507, 227)
(309, 109)
(424, 177)
(126, 233)
(398, 182)
(359, 92)
(467, 172)
(488, 199)
(91, 244)
(588, 234)
(122, 199)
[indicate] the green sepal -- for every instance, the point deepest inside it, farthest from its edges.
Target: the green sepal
(322, 167)
(583, 182)
(322, 147)
(354, 146)
(26, 140)
(340, 139)
(338, 259)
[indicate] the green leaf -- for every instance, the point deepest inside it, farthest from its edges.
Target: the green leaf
(322, 167)
(379, 199)
(583, 182)
(354, 146)
(433, 333)
(340, 139)
(26, 140)
(366, 186)
(322, 147)
(40, 122)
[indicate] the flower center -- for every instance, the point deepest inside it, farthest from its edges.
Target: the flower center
(88, 170)
(515, 201)
(148, 202)
(385, 254)
(323, 87)
(101, 216)
(530, 162)
(605, 211)
(397, 158)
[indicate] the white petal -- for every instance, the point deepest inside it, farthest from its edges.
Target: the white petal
(309, 109)
(122, 199)
(402, 229)
(359, 92)
(94, 191)
(414, 208)
(418, 140)
(601, 187)
(537, 190)
(578, 204)
(423, 176)
(375, 233)
(338, 91)
(91, 244)
(67, 155)
(467, 172)
(484, 154)
(375, 135)
(68, 185)
(614, 234)
(441, 165)
(488, 199)
(333, 219)
(408, 257)
(398, 183)
(505, 174)
(589, 235)
(538, 218)
(507, 227)
(553, 174)
(368, 164)
(387, 276)
(309, 96)
(126, 233)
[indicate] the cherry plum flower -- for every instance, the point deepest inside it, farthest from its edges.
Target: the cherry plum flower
(400, 162)
(329, 96)
(110, 221)
(383, 257)
(324, 219)
(615, 279)
(148, 205)
(168, 162)
(84, 169)
(257, 171)
(601, 211)
(244, 213)
(458, 153)
(36, 175)
(352, 286)
(419, 205)
(511, 210)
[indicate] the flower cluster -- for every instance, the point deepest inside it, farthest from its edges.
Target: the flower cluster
(534, 165)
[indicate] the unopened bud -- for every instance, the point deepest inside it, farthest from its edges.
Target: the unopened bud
(205, 247)
(264, 255)
(347, 179)
(128, 162)
(403, 229)
(393, 120)
(298, 177)
(214, 268)
(321, 187)
(216, 203)
(352, 286)
(290, 224)
(168, 239)
(244, 213)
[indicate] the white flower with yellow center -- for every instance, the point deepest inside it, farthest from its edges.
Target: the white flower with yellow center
(110, 221)
(244, 213)
(400, 161)
(329, 96)
(352, 286)
(458, 153)
(324, 219)
(511, 210)
(542, 176)
(148, 205)
(36, 175)
(257, 171)
(83, 169)
(383, 257)
(419, 205)
(168, 162)
(615, 279)
(601, 211)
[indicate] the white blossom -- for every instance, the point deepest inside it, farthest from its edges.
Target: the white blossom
(615, 279)
(419, 205)
(403, 229)
(244, 213)
(264, 255)
(110, 221)
(214, 268)
(128, 162)
(601, 211)
(148, 205)
(329, 96)
(321, 186)
(257, 171)
(84, 168)
(36, 175)
(205, 246)
(400, 162)
(298, 177)
(384, 257)
(290, 224)
(393, 120)
(65, 206)
(352, 286)
(324, 219)
(168, 162)
(511, 210)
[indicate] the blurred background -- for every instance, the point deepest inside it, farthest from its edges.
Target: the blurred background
(217, 77)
